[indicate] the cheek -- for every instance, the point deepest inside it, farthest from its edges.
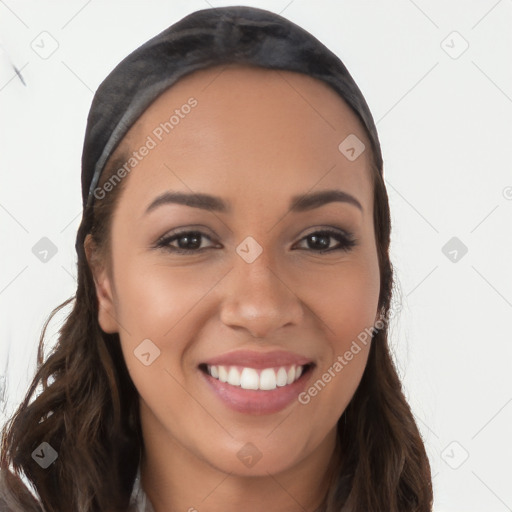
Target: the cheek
(355, 308)
(344, 298)
(162, 304)
(154, 298)
(345, 301)
(167, 305)
(338, 375)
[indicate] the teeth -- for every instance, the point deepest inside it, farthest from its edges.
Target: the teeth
(281, 377)
(249, 378)
(268, 379)
(223, 374)
(233, 377)
(291, 375)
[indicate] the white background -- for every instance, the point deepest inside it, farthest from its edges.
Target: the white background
(444, 120)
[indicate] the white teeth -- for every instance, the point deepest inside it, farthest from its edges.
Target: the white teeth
(268, 379)
(233, 377)
(281, 377)
(223, 374)
(249, 378)
(291, 375)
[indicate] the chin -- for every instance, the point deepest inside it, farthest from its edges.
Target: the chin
(255, 458)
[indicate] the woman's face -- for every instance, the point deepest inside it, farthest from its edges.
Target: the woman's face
(254, 297)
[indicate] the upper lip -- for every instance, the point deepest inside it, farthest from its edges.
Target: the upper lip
(255, 359)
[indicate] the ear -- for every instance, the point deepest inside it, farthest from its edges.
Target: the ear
(102, 281)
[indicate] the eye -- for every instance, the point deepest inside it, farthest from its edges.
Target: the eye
(187, 241)
(321, 241)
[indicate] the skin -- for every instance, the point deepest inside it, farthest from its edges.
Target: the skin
(256, 138)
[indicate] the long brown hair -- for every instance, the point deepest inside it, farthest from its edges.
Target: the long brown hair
(87, 409)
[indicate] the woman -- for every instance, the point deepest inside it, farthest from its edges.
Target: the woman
(227, 348)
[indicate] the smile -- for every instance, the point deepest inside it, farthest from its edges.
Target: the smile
(256, 391)
(265, 379)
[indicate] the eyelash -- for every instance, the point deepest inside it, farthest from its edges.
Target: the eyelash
(346, 241)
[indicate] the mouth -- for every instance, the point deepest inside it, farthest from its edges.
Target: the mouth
(256, 383)
(263, 379)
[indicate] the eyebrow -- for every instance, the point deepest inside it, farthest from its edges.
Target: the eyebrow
(298, 203)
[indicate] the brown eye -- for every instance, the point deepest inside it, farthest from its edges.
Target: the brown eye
(187, 242)
(320, 241)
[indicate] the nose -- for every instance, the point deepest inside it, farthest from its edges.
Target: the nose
(260, 300)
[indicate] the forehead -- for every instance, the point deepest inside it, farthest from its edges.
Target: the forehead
(252, 128)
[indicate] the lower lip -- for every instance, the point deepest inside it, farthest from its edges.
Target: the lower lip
(258, 402)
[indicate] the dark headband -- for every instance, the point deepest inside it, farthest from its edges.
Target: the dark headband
(206, 38)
